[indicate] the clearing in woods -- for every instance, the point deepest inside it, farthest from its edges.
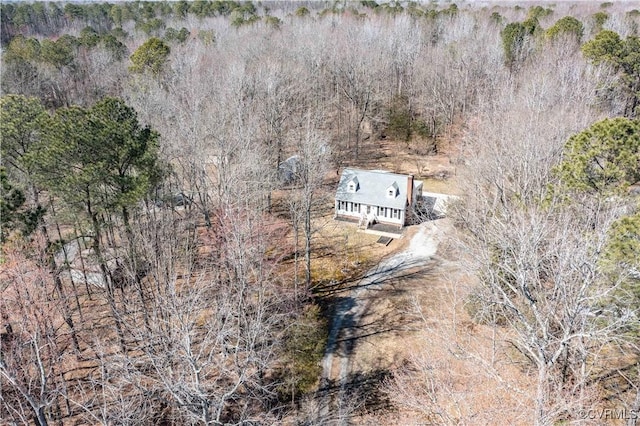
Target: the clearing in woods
(405, 315)
(348, 331)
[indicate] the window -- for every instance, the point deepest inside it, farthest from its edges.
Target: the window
(392, 191)
(353, 185)
(368, 209)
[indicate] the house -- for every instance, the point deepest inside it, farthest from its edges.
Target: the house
(376, 196)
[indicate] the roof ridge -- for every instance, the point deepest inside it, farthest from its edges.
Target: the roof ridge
(378, 171)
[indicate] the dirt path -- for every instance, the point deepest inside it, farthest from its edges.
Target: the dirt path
(336, 362)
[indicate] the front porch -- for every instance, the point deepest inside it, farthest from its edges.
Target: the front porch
(382, 229)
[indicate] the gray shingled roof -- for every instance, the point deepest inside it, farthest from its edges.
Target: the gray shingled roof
(373, 186)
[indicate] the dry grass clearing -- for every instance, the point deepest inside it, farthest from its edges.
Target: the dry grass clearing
(438, 359)
(416, 331)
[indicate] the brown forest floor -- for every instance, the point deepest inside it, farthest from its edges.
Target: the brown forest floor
(420, 317)
(421, 320)
(422, 313)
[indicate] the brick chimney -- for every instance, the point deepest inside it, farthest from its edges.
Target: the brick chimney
(410, 190)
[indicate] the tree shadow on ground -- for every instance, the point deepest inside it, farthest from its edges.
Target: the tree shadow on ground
(620, 382)
(339, 303)
(408, 269)
(362, 393)
(353, 309)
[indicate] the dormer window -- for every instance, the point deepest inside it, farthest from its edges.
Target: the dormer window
(353, 185)
(392, 191)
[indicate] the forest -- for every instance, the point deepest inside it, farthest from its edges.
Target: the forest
(155, 267)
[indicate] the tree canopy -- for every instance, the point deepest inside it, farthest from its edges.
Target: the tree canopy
(624, 243)
(100, 157)
(22, 121)
(624, 57)
(566, 26)
(603, 158)
(150, 57)
(514, 37)
(605, 47)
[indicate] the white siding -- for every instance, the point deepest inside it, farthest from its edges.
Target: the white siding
(383, 214)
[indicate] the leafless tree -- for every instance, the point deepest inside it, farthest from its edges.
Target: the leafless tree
(537, 258)
(309, 176)
(356, 72)
(201, 332)
(34, 343)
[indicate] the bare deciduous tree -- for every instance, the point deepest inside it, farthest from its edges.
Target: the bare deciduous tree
(33, 343)
(538, 259)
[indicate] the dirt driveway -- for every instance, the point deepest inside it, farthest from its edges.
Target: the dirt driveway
(347, 331)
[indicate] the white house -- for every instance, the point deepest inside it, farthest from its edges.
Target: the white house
(376, 196)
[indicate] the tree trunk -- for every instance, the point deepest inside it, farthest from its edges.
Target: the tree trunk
(307, 251)
(51, 261)
(541, 397)
(634, 412)
(41, 417)
(82, 265)
(296, 230)
(108, 283)
(66, 259)
(133, 258)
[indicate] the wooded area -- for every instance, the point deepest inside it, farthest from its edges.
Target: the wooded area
(157, 269)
